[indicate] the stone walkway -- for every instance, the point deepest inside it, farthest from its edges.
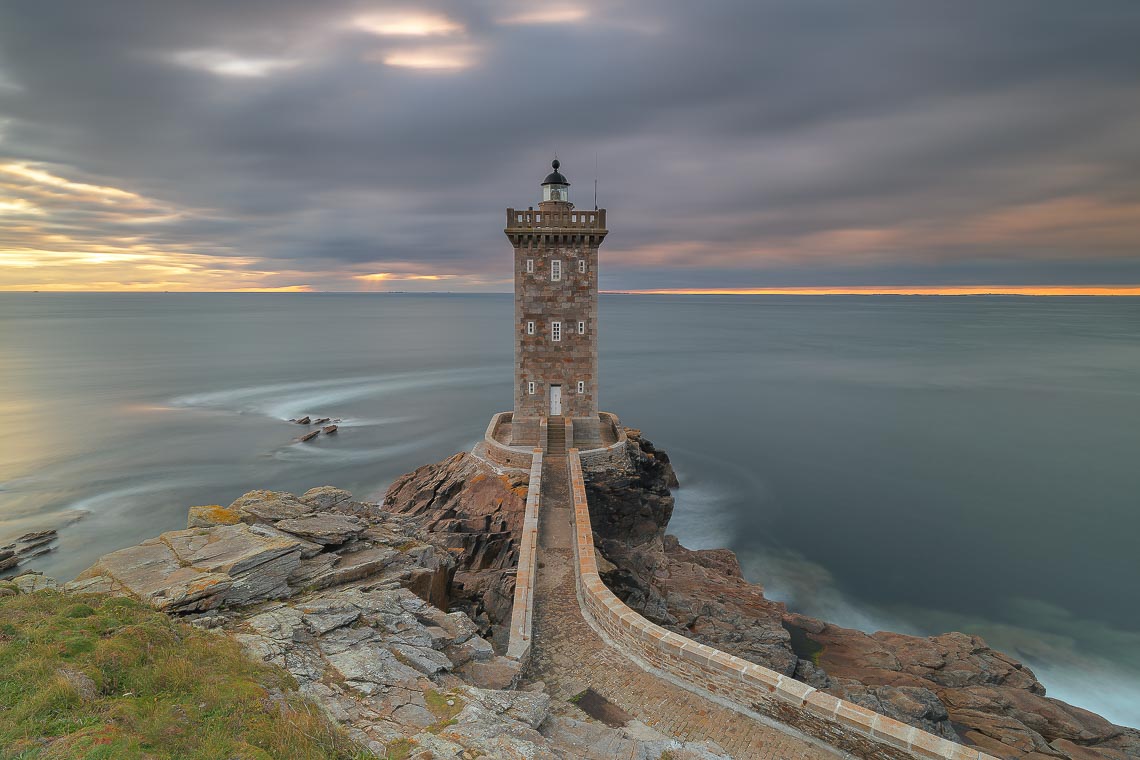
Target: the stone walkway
(569, 656)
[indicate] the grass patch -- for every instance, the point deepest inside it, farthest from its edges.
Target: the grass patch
(401, 749)
(109, 678)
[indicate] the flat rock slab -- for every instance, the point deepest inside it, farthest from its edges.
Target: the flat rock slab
(199, 569)
(271, 505)
(324, 528)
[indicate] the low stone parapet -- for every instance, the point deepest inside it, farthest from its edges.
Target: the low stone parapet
(749, 688)
(611, 454)
(522, 611)
(495, 450)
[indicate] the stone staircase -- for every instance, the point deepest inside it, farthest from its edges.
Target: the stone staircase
(556, 437)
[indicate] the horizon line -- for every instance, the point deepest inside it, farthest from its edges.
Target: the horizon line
(852, 290)
(906, 290)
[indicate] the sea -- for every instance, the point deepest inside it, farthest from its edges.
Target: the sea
(917, 464)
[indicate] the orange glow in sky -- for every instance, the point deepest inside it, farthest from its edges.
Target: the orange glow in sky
(908, 290)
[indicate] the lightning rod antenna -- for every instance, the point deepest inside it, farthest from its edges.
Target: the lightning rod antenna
(595, 180)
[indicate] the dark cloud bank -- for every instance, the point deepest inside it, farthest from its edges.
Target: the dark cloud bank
(739, 143)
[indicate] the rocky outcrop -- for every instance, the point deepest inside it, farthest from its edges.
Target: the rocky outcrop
(26, 547)
(351, 602)
(475, 511)
(267, 545)
(952, 685)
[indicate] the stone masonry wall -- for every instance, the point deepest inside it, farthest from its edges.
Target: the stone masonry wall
(751, 688)
(522, 611)
(547, 237)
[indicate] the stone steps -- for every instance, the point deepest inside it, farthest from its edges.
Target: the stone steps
(556, 436)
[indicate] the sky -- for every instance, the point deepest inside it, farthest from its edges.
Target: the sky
(821, 145)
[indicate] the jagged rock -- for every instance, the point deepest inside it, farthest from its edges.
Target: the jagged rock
(271, 506)
(211, 515)
(329, 429)
(321, 421)
(302, 421)
(326, 498)
(26, 547)
(324, 528)
(469, 508)
(309, 436)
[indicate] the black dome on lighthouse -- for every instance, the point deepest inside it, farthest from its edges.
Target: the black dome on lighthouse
(555, 177)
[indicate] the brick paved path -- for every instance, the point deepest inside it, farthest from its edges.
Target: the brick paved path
(569, 657)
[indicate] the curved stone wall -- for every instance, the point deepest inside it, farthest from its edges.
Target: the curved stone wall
(745, 686)
(522, 610)
(493, 450)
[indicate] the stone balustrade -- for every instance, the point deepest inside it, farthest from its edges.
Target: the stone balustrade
(746, 687)
(522, 610)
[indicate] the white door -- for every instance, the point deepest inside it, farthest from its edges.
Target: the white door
(555, 400)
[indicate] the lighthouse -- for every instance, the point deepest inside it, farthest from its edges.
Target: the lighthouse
(556, 313)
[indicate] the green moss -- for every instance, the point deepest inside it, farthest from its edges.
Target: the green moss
(110, 678)
(438, 704)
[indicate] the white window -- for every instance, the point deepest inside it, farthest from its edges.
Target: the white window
(581, 328)
(530, 328)
(530, 266)
(556, 331)
(581, 266)
(555, 270)
(530, 388)
(581, 386)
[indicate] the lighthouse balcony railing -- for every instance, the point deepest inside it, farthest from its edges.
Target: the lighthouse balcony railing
(530, 219)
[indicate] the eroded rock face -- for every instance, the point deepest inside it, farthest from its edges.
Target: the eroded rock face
(468, 507)
(952, 685)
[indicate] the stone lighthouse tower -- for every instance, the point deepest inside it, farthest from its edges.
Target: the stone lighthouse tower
(556, 313)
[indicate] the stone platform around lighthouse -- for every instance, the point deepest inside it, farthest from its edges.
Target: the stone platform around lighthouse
(507, 444)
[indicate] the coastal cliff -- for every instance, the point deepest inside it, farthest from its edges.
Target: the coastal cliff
(394, 619)
(953, 685)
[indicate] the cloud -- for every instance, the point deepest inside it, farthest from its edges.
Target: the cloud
(227, 64)
(407, 23)
(743, 144)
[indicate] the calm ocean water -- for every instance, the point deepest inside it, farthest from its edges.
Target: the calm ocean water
(915, 464)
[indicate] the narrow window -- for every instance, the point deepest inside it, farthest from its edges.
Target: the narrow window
(581, 266)
(581, 328)
(530, 328)
(556, 331)
(530, 388)
(530, 266)
(555, 270)
(581, 386)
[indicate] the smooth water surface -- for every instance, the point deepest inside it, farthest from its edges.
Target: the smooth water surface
(916, 464)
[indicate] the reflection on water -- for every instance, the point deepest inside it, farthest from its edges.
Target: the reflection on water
(914, 463)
